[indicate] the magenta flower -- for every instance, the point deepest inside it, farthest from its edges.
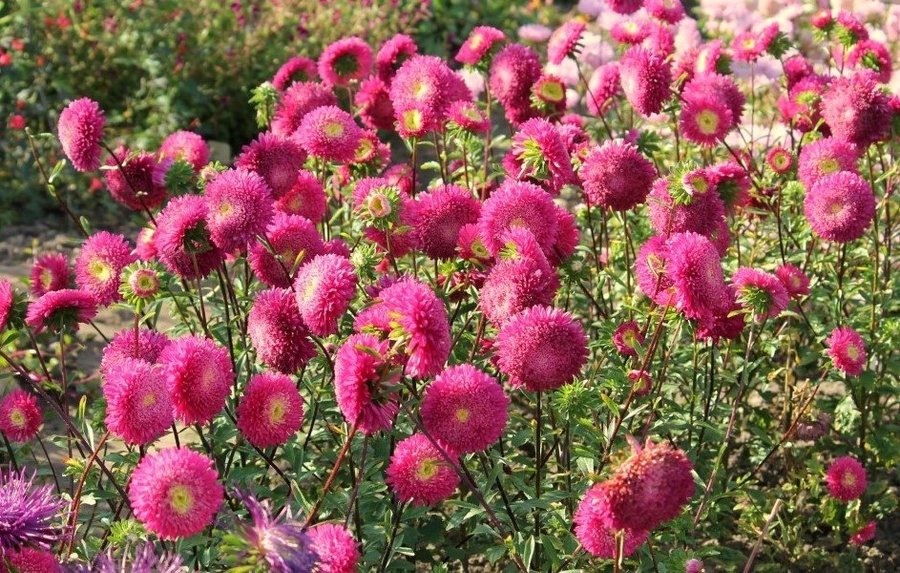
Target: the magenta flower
(541, 348)
(481, 40)
(239, 207)
(140, 184)
(565, 41)
(418, 473)
(825, 157)
(99, 265)
(539, 154)
(295, 69)
(518, 204)
(864, 534)
(80, 130)
(297, 101)
(373, 104)
(337, 550)
(185, 146)
(305, 198)
(847, 350)
(760, 292)
(693, 266)
(795, 281)
(61, 309)
(421, 92)
(20, 416)
(780, 160)
(465, 409)
(514, 70)
(270, 410)
(124, 346)
(276, 159)
(846, 479)
(183, 240)
(604, 86)
(138, 404)
(627, 338)
(49, 272)
(324, 289)
(392, 55)
(441, 213)
(857, 110)
(593, 533)
(175, 492)
(616, 175)
(363, 383)
(291, 242)
(277, 332)
(344, 61)
(7, 299)
(840, 207)
(199, 377)
(329, 133)
(645, 78)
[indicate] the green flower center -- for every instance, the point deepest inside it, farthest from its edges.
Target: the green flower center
(427, 469)
(181, 500)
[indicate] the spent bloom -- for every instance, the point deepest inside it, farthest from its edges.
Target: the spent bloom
(846, 479)
(175, 492)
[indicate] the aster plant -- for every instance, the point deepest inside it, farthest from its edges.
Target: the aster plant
(615, 295)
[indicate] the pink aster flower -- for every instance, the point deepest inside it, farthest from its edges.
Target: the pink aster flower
(80, 130)
(364, 382)
(324, 289)
(847, 350)
(852, 26)
(418, 473)
(693, 266)
(713, 86)
(295, 69)
(565, 41)
(523, 278)
(840, 207)
(50, 271)
(306, 198)
(624, 6)
(270, 410)
(373, 104)
(539, 155)
(275, 158)
(138, 404)
(627, 338)
(239, 207)
(669, 11)
(857, 110)
(648, 489)
(760, 292)
(99, 266)
(514, 70)
(725, 323)
(467, 115)
(518, 204)
(748, 46)
(297, 101)
(541, 348)
(567, 237)
(593, 533)
(7, 299)
(20, 416)
(392, 55)
(846, 479)
(140, 184)
(825, 157)
(617, 176)
(795, 281)
(705, 120)
(199, 377)
(442, 212)
(125, 346)
(481, 40)
(650, 270)
(465, 409)
(780, 160)
(30, 560)
(337, 550)
(693, 566)
(421, 92)
(277, 332)
(419, 319)
(175, 492)
(185, 146)
(795, 69)
(630, 31)
(346, 60)
(645, 78)
(604, 86)
(696, 210)
(144, 247)
(801, 106)
(329, 133)
(548, 94)
(61, 309)
(182, 239)
(872, 55)
(864, 534)
(291, 242)
(731, 183)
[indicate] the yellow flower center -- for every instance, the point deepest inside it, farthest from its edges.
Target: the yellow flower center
(17, 417)
(364, 150)
(836, 208)
(149, 399)
(46, 278)
(225, 208)
(708, 121)
(333, 129)
(277, 410)
(100, 270)
(412, 120)
(181, 499)
(852, 352)
(829, 165)
(420, 89)
(462, 415)
(427, 469)
(310, 289)
(553, 91)
(848, 479)
(476, 41)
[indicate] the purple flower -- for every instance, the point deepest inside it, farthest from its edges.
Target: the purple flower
(27, 512)
(280, 541)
